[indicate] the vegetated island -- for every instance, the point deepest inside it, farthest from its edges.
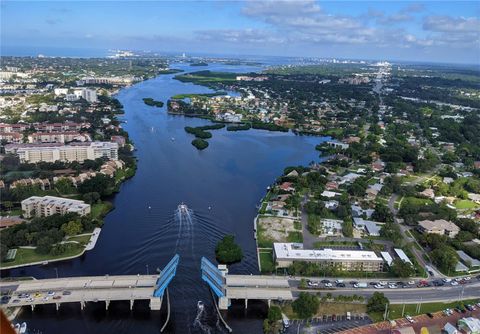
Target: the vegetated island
(189, 96)
(151, 102)
(206, 77)
(199, 64)
(200, 144)
(241, 127)
(170, 71)
(227, 251)
(201, 133)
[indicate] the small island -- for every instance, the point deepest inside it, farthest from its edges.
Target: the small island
(151, 102)
(200, 144)
(201, 63)
(227, 251)
(241, 127)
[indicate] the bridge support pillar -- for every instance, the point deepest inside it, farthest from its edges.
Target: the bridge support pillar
(223, 303)
(246, 303)
(155, 303)
(131, 303)
(107, 304)
(82, 305)
(269, 301)
(33, 307)
(57, 306)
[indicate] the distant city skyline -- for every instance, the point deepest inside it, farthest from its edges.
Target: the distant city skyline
(410, 31)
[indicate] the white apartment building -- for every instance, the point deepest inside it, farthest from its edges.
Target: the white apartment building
(51, 152)
(90, 95)
(58, 137)
(50, 205)
(350, 260)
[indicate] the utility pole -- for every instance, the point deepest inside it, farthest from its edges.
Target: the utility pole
(403, 309)
(385, 314)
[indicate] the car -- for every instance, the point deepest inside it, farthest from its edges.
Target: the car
(312, 284)
(458, 279)
(66, 293)
(392, 286)
(340, 285)
(46, 298)
(373, 283)
(51, 293)
(409, 318)
(447, 280)
(378, 286)
(30, 299)
(463, 282)
(325, 281)
(57, 297)
(430, 315)
(454, 283)
(16, 301)
(411, 282)
(469, 307)
(328, 285)
(37, 295)
(353, 282)
(467, 278)
(383, 283)
(438, 283)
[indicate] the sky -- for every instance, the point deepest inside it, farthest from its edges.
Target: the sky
(436, 31)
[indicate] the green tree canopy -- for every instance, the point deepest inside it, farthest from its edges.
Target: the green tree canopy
(377, 303)
(227, 251)
(306, 305)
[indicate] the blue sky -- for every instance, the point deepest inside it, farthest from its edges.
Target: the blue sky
(439, 31)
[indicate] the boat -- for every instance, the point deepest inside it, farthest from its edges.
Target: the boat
(23, 328)
(17, 328)
(183, 208)
(173, 139)
(200, 305)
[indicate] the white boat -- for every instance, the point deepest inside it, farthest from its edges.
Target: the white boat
(183, 208)
(173, 139)
(17, 328)
(200, 305)
(23, 328)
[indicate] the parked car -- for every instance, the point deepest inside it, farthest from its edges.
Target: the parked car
(430, 315)
(57, 297)
(454, 283)
(328, 285)
(409, 318)
(340, 285)
(325, 281)
(66, 293)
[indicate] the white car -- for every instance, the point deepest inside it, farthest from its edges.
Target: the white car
(51, 293)
(447, 280)
(454, 283)
(468, 278)
(383, 283)
(411, 283)
(328, 285)
(45, 299)
(410, 319)
(310, 283)
(392, 286)
(378, 286)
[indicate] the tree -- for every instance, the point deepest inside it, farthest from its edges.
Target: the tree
(382, 213)
(347, 229)
(445, 258)
(72, 228)
(306, 305)
(227, 251)
(44, 245)
(274, 313)
(8, 205)
(377, 303)
(402, 269)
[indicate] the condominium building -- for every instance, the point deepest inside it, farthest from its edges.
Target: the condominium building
(50, 205)
(58, 137)
(51, 152)
(439, 226)
(352, 260)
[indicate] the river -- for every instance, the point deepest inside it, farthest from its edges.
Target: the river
(221, 185)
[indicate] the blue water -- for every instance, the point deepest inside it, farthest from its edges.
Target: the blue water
(230, 177)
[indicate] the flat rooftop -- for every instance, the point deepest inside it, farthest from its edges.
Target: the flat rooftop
(294, 251)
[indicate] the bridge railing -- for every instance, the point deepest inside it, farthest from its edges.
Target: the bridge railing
(166, 276)
(213, 277)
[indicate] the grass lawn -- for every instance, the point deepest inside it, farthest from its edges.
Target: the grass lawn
(14, 212)
(329, 308)
(83, 239)
(29, 255)
(295, 237)
(101, 209)
(395, 310)
(465, 204)
(297, 225)
(266, 261)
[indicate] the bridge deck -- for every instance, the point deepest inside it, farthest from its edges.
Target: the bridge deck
(82, 289)
(256, 281)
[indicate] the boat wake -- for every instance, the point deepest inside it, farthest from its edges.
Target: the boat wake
(205, 322)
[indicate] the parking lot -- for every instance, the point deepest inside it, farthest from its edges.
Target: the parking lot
(327, 324)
